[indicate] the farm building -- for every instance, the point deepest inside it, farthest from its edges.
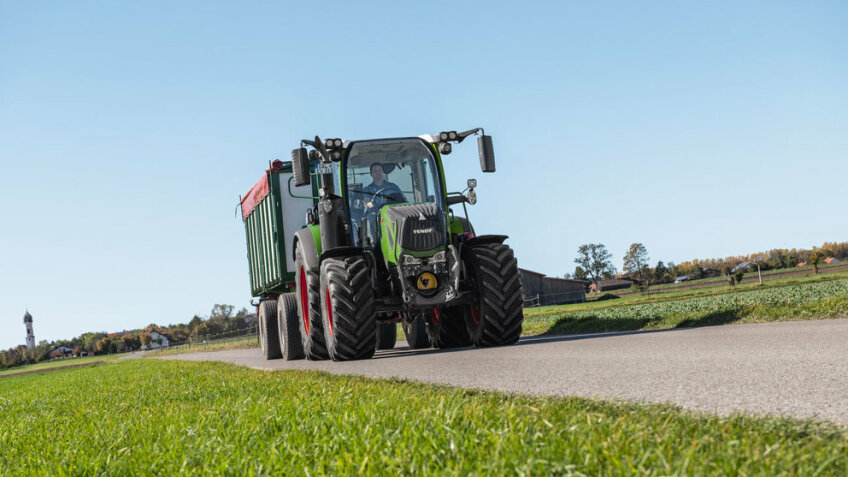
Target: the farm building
(541, 290)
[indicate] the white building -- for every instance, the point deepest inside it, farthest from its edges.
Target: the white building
(158, 339)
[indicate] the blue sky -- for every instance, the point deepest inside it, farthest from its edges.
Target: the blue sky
(128, 131)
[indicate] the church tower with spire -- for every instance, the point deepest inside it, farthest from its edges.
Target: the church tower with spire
(30, 335)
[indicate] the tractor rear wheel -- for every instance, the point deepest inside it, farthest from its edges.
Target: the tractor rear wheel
(416, 332)
(348, 308)
(288, 325)
(269, 338)
(308, 286)
(386, 335)
(497, 318)
(446, 328)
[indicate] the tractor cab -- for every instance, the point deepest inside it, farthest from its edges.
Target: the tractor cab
(378, 176)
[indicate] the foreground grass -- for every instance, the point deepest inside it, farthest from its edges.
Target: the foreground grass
(162, 417)
(816, 297)
(242, 342)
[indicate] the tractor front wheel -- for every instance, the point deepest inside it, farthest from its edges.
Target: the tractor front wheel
(308, 297)
(348, 308)
(497, 318)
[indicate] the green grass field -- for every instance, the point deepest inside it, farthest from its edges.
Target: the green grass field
(57, 363)
(791, 298)
(157, 417)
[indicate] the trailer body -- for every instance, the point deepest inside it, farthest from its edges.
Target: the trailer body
(271, 216)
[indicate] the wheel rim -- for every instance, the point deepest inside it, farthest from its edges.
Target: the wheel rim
(304, 300)
(475, 314)
(434, 316)
(329, 312)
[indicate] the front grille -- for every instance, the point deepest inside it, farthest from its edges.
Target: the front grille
(417, 234)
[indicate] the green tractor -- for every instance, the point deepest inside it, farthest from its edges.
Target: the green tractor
(381, 246)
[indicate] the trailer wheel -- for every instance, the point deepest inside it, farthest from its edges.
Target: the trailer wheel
(497, 318)
(416, 332)
(348, 308)
(386, 335)
(446, 328)
(308, 287)
(269, 338)
(288, 326)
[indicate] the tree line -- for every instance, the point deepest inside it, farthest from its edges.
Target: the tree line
(221, 319)
(594, 262)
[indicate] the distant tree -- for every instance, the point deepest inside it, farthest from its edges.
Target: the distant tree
(581, 274)
(636, 260)
(738, 275)
(220, 311)
(815, 257)
(196, 320)
(145, 339)
(595, 259)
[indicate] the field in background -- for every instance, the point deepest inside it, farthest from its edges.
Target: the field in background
(240, 342)
(58, 363)
(167, 417)
(789, 298)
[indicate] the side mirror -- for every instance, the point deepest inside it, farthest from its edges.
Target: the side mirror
(300, 166)
(487, 153)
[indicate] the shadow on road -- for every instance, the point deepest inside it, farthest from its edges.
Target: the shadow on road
(404, 351)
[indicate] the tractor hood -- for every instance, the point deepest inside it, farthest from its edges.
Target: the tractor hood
(415, 229)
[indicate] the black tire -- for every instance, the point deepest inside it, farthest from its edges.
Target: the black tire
(348, 308)
(446, 328)
(308, 286)
(416, 332)
(498, 317)
(386, 335)
(269, 337)
(288, 324)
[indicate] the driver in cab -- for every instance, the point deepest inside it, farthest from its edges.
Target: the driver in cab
(380, 191)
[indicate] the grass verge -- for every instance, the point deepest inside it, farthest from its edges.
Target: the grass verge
(790, 299)
(164, 417)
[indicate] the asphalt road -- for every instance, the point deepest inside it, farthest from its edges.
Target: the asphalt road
(793, 368)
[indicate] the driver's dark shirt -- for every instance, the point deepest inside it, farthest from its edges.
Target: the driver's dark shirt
(391, 193)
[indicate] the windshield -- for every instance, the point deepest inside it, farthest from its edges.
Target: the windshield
(392, 171)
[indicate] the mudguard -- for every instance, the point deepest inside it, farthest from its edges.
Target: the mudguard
(481, 239)
(311, 246)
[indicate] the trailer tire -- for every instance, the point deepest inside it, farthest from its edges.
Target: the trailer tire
(348, 308)
(497, 318)
(269, 337)
(446, 328)
(288, 324)
(386, 335)
(308, 287)
(416, 332)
